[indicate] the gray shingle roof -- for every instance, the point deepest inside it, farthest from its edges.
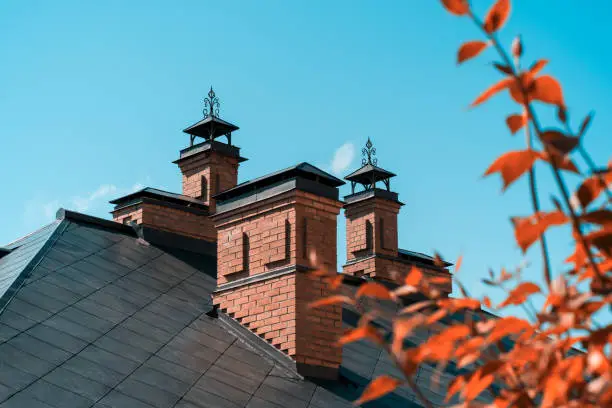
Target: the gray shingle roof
(108, 320)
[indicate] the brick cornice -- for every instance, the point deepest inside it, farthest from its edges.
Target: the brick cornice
(396, 259)
(260, 277)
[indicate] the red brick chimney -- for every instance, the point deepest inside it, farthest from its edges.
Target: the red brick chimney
(266, 230)
(371, 228)
(208, 168)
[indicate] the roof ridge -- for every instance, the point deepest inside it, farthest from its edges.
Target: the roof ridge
(16, 285)
(30, 234)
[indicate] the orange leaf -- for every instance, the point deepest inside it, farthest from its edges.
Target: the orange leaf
(548, 90)
(440, 280)
(506, 326)
(455, 332)
(459, 304)
(504, 69)
(498, 87)
(516, 122)
(537, 66)
(558, 141)
(455, 386)
(330, 300)
(497, 16)
(602, 239)
(401, 329)
(520, 294)
(373, 289)
(377, 388)
(458, 264)
(513, 165)
(585, 124)
(519, 88)
(470, 50)
(437, 315)
(361, 333)
(457, 7)
(589, 190)
(476, 385)
(413, 278)
(487, 302)
(562, 162)
(416, 306)
(335, 281)
(600, 217)
(410, 361)
(529, 229)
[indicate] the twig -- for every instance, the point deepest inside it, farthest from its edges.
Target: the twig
(556, 173)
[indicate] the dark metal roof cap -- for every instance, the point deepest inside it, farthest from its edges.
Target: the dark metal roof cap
(369, 173)
(210, 127)
(211, 145)
(4, 251)
(305, 170)
(420, 256)
(162, 195)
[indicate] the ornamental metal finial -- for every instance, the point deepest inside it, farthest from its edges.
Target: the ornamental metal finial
(211, 104)
(368, 154)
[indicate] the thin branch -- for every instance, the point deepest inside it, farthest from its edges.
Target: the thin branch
(589, 161)
(556, 172)
(535, 202)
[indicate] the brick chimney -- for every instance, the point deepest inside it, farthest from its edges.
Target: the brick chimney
(372, 248)
(210, 167)
(266, 230)
(165, 211)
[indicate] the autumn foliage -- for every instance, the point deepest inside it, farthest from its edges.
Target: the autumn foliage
(558, 355)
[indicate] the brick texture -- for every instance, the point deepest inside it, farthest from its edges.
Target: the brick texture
(169, 219)
(371, 226)
(131, 213)
(392, 270)
(219, 171)
(278, 233)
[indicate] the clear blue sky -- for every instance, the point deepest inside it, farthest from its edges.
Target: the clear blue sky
(93, 97)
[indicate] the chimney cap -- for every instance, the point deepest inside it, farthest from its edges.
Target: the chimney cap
(160, 195)
(305, 170)
(212, 126)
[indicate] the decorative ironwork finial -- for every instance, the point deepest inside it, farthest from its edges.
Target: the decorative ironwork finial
(211, 104)
(368, 154)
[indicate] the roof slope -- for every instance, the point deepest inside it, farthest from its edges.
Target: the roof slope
(105, 319)
(22, 257)
(108, 320)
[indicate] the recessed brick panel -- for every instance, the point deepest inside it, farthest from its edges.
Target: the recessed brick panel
(280, 231)
(382, 216)
(220, 172)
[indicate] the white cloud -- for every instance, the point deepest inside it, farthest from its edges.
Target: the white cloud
(83, 203)
(343, 157)
(39, 210)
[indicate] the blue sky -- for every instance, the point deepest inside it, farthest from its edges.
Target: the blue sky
(93, 97)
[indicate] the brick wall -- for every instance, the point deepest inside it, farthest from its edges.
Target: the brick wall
(133, 213)
(220, 172)
(391, 270)
(169, 219)
(381, 215)
(279, 233)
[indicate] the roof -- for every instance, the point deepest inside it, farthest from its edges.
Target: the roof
(305, 170)
(369, 173)
(419, 257)
(106, 319)
(23, 256)
(210, 126)
(160, 195)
